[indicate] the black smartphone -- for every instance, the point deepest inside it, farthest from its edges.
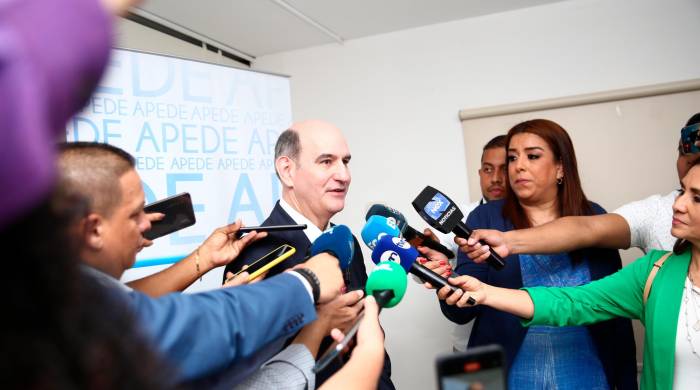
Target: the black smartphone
(271, 228)
(178, 211)
(476, 369)
(265, 263)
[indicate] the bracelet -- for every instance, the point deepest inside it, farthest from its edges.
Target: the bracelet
(311, 277)
(196, 262)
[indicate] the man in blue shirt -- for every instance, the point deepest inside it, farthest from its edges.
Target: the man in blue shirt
(201, 334)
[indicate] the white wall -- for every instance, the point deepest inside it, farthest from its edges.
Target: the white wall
(396, 96)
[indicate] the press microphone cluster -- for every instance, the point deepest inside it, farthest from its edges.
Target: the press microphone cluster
(443, 214)
(380, 235)
(413, 236)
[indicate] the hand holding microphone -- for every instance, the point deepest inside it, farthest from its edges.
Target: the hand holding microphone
(379, 230)
(331, 251)
(387, 284)
(397, 250)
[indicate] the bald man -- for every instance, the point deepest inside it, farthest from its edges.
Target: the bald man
(312, 162)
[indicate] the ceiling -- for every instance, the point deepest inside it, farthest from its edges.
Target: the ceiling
(260, 27)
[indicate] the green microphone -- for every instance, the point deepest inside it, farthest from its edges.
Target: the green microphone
(387, 284)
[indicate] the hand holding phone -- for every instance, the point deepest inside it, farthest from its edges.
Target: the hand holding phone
(178, 214)
(265, 263)
(221, 247)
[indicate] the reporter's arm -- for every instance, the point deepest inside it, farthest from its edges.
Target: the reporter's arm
(365, 366)
(516, 302)
(565, 234)
(219, 249)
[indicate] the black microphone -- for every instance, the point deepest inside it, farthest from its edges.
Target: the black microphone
(413, 236)
(442, 214)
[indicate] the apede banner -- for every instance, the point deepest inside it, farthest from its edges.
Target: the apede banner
(194, 127)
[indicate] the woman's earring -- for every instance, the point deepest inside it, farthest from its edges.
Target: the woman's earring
(560, 180)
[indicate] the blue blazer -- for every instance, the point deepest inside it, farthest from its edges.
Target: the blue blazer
(613, 339)
(204, 333)
(355, 276)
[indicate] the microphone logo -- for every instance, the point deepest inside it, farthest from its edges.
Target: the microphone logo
(400, 242)
(383, 267)
(390, 256)
(391, 222)
(436, 206)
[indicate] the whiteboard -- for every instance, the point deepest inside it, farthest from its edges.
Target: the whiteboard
(194, 127)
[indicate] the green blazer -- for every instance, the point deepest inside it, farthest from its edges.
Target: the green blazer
(621, 295)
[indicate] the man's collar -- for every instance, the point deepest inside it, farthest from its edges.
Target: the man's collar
(312, 231)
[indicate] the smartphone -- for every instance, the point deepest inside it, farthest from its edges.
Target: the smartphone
(476, 369)
(271, 228)
(265, 263)
(178, 211)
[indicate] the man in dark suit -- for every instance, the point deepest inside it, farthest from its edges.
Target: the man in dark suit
(311, 161)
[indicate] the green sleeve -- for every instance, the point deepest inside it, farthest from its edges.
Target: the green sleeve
(616, 295)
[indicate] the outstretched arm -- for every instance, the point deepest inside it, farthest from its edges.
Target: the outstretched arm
(565, 234)
(219, 249)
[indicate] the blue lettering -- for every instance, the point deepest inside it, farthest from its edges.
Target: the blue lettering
(139, 90)
(245, 187)
(147, 134)
(187, 75)
(215, 146)
(108, 136)
(228, 140)
(79, 132)
(166, 139)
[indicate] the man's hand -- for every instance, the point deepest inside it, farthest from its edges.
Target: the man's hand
(237, 280)
(479, 252)
(342, 311)
(233, 280)
(222, 246)
(327, 270)
(151, 217)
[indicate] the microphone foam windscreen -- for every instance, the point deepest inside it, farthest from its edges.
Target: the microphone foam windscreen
(388, 212)
(395, 249)
(338, 241)
(388, 275)
(376, 227)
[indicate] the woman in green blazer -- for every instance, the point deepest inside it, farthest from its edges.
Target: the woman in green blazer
(671, 315)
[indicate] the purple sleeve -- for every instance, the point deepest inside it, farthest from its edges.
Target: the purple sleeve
(67, 44)
(52, 54)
